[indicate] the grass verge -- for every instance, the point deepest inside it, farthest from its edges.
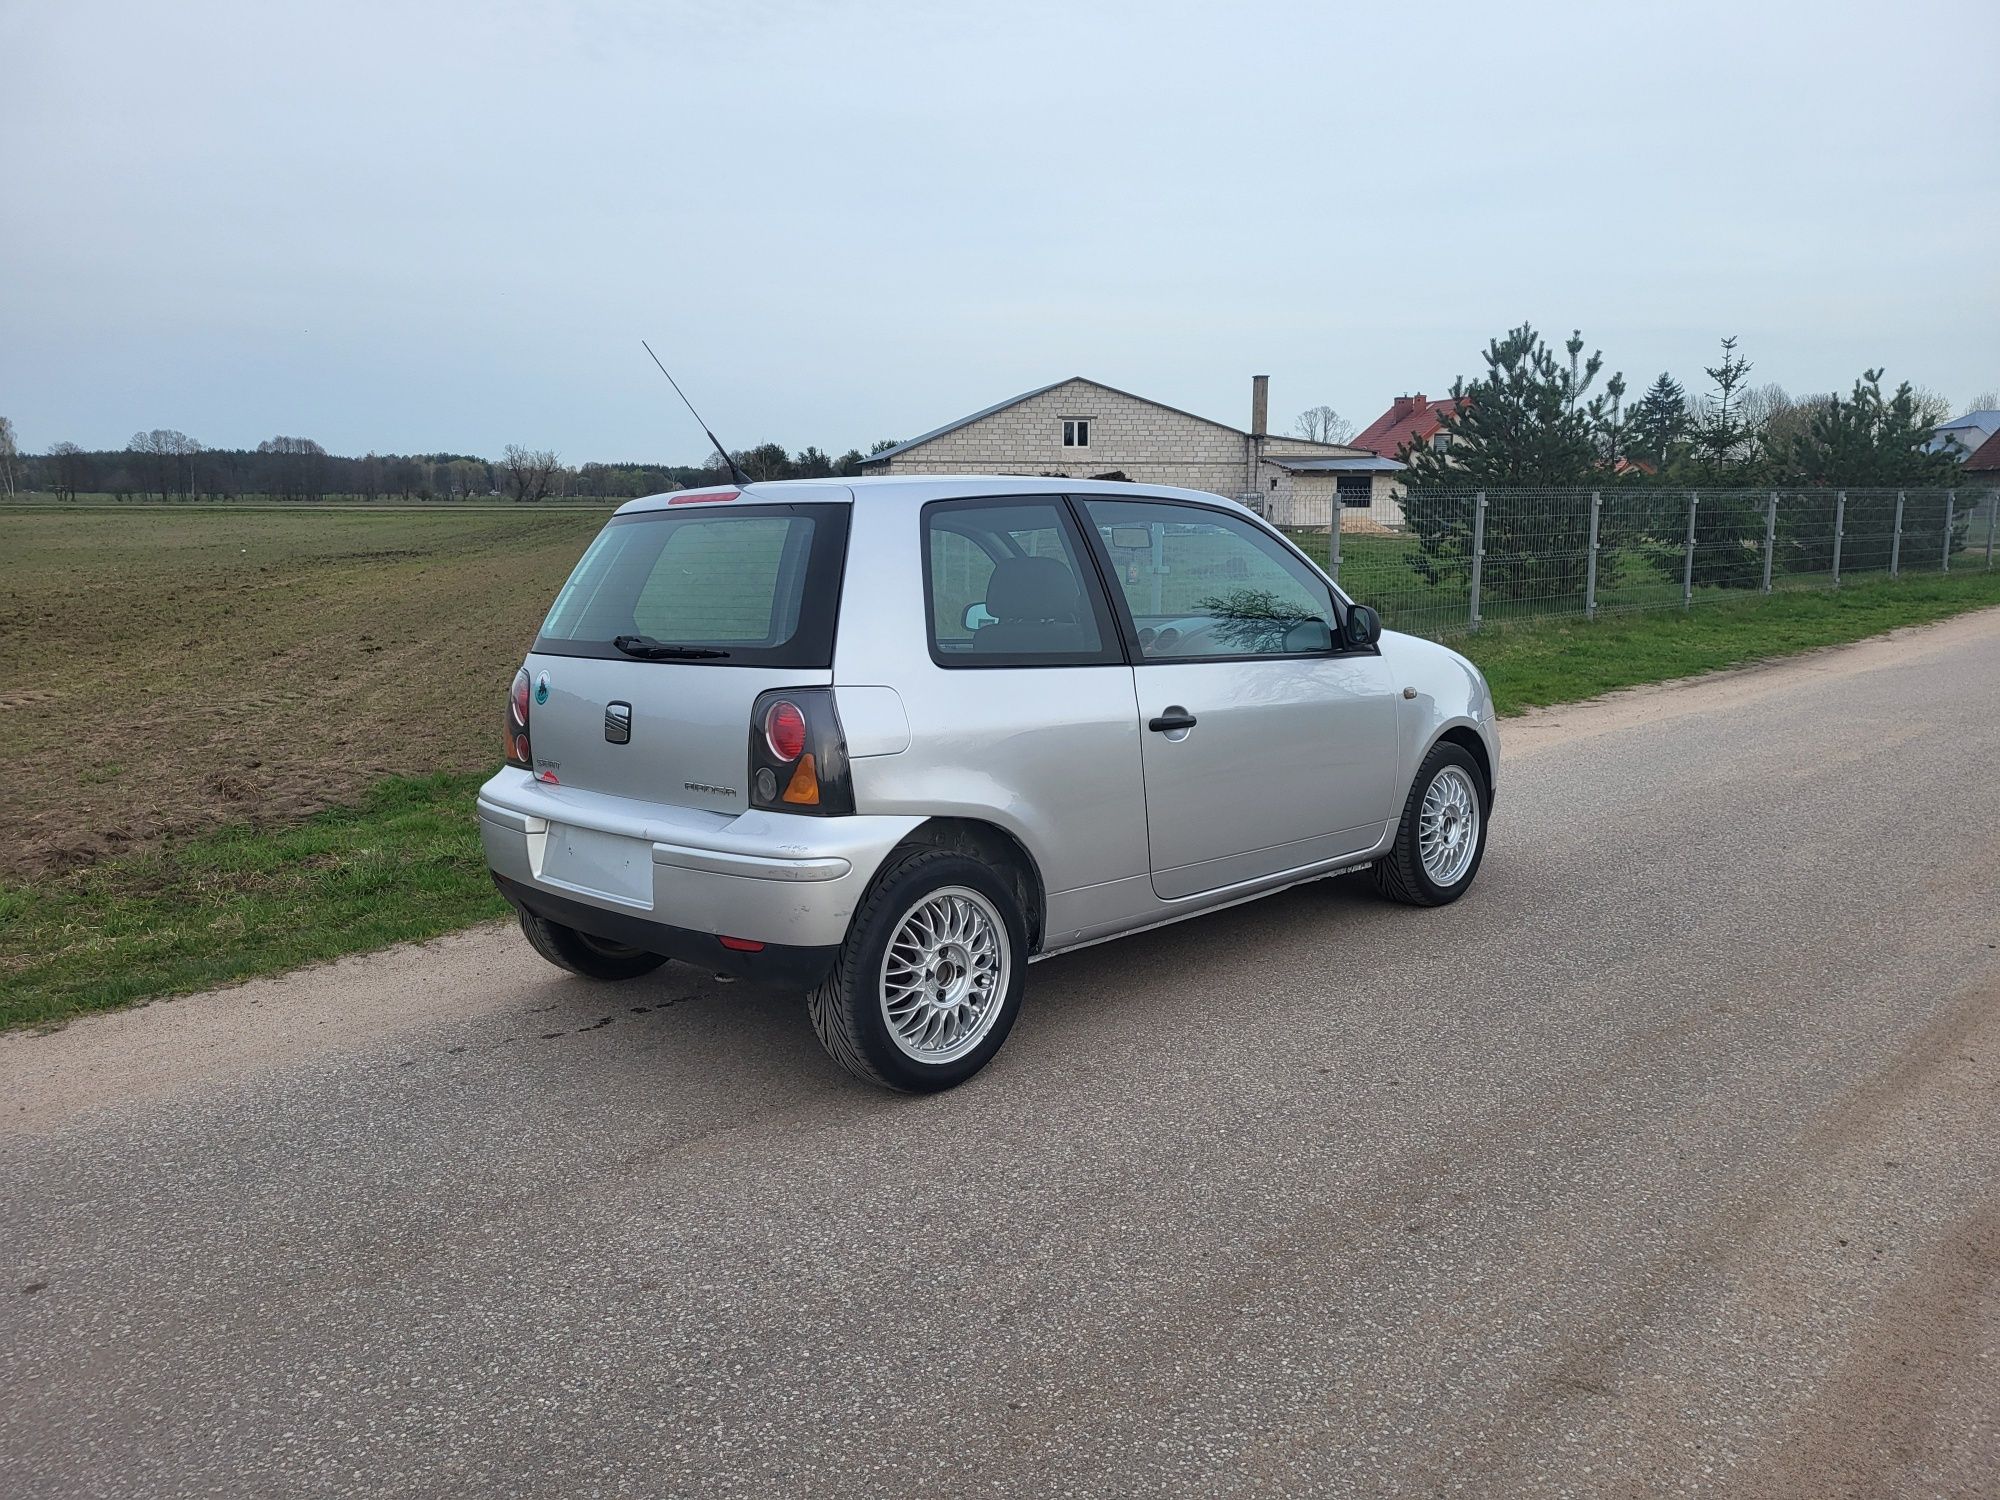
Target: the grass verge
(1543, 662)
(405, 863)
(240, 901)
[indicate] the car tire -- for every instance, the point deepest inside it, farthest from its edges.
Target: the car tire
(934, 1013)
(580, 953)
(1451, 776)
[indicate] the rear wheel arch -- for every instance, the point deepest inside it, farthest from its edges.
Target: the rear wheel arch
(991, 845)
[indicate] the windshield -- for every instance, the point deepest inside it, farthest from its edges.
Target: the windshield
(752, 585)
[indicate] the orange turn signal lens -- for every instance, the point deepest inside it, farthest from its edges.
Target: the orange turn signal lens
(804, 785)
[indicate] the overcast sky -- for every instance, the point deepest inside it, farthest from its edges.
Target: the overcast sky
(422, 227)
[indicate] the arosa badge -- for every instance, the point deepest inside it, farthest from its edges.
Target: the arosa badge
(542, 688)
(618, 723)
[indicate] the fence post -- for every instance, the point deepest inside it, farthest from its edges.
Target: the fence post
(1839, 531)
(1950, 515)
(1687, 560)
(1896, 540)
(1770, 536)
(1590, 577)
(1478, 550)
(1333, 546)
(1992, 517)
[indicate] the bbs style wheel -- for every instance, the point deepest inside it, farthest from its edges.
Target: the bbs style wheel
(929, 981)
(1442, 836)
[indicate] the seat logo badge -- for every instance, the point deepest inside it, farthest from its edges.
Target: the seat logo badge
(542, 688)
(618, 723)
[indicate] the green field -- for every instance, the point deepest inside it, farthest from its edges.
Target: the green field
(247, 739)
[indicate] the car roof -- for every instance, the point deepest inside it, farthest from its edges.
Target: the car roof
(915, 489)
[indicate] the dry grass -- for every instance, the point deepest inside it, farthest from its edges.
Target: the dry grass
(170, 672)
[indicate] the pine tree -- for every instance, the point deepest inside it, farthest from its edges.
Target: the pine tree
(1524, 424)
(1868, 440)
(1870, 445)
(1613, 426)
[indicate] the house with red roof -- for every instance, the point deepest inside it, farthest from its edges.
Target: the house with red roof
(1410, 422)
(1984, 460)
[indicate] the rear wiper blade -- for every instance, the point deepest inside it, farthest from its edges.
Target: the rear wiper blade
(645, 647)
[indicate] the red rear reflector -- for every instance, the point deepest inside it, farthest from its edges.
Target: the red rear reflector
(785, 730)
(701, 497)
(743, 945)
(548, 776)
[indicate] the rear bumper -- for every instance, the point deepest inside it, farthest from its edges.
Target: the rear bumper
(682, 875)
(780, 963)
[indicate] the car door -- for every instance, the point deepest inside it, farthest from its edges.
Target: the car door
(1026, 716)
(1267, 748)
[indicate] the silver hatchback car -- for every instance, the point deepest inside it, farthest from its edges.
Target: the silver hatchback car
(893, 740)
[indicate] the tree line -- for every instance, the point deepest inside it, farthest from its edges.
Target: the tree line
(165, 464)
(1537, 420)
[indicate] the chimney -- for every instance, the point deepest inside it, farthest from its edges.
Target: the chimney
(1260, 405)
(1420, 403)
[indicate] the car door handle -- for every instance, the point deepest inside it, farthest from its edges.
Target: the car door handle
(1174, 718)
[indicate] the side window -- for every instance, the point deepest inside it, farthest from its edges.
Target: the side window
(1202, 583)
(1008, 586)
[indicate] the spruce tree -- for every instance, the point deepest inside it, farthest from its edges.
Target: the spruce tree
(1658, 424)
(1722, 438)
(1720, 459)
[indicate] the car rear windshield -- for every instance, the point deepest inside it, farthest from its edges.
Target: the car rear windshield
(729, 584)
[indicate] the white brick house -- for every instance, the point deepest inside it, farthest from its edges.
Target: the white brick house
(1082, 429)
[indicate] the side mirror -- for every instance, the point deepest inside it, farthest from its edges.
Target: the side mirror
(978, 616)
(1363, 627)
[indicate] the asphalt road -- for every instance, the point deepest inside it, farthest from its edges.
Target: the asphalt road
(1667, 1162)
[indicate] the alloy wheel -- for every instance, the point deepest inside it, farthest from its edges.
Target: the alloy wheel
(1448, 826)
(945, 975)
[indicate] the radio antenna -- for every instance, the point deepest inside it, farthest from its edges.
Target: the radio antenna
(728, 463)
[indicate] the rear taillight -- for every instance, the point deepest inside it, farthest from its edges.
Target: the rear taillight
(785, 730)
(798, 755)
(520, 751)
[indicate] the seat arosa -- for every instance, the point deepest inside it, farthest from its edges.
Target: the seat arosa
(891, 741)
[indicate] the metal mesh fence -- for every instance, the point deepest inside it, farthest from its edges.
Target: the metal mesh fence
(1438, 562)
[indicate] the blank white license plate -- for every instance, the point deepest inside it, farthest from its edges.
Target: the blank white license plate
(602, 863)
